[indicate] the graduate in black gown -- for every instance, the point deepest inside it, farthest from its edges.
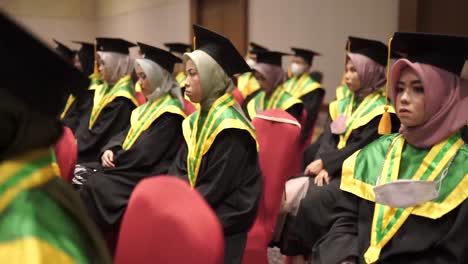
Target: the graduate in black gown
(219, 158)
(356, 118)
(75, 109)
(113, 101)
(146, 148)
(381, 219)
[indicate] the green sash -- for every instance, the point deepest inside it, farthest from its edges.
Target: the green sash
(300, 86)
(200, 131)
(105, 95)
(402, 161)
(247, 84)
(143, 116)
(280, 99)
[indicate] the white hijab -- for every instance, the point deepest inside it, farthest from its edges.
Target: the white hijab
(160, 80)
(117, 65)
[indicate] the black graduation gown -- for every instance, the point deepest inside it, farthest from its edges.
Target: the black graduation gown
(230, 181)
(77, 110)
(312, 102)
(114, 118)
(313, 218)
(107, 190)
(439, 241)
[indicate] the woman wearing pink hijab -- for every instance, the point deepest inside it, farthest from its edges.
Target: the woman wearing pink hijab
(404, 195)
(354, 122)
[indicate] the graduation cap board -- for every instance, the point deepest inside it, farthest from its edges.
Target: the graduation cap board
(86, 56)
(443, 51)
(114, 45)
(163, 58)
(372, 49)
(271, 57)
(178, 47)
(221, 50)
(307, 55)
(65, 51)
(50, 78)
(256, 48)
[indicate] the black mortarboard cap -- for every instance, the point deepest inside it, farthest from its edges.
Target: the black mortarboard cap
(221, 50)
(256, 48)
(114, 45)
(307, 55)
(63, 50)
(86, 56)
(163, 58)
(85, 46)
(271, 57)
(372, 49)
(445, 52)
(178, 47)
(52, 78)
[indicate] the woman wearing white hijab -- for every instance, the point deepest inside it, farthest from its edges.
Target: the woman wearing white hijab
(113, 100)
(147, 148)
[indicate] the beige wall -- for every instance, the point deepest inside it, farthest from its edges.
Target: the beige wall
(321, 25)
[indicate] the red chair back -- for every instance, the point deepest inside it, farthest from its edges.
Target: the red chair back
(140, 98)
(278, 135)
(66, 152)
(189, 107)
(238, 96)
(167, 221)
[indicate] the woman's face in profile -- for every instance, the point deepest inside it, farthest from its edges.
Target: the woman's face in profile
(192, 83)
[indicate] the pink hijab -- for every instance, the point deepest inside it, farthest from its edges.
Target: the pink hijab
(371, 74)
(273, 74)
(446, 103)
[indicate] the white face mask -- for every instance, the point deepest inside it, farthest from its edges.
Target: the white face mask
(297, 69)
(251, 62)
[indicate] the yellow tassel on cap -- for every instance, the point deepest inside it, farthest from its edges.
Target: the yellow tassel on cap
(385, 124)
(194, 43)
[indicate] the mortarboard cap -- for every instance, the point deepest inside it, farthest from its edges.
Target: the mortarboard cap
(85, 46)
(86, 56)
(256, 48)
(307, 55)
(271, 57)
(65, 51)
(163, 58)
(372, 49)
(445, 52)
(221, 50)
(114, 45)
(53, 78)
(177, 47)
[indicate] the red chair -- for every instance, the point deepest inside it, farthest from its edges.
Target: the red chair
(278, 135)
(189, 107)
(238, 96)
(168, 222)
(140, 98)
(66, 152)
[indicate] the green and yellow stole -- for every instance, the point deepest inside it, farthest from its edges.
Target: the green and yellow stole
(370, 107)
(105, 95)
(280, 99)
(143, 116)
(247, 84)
(201, 129)
(26, 228)
(403, 161)
(302, 85)
(95, 81)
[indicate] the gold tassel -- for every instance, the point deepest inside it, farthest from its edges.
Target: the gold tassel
(96, 65)
(194, 43)
(385, 124)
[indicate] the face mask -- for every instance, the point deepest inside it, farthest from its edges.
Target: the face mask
(408, 193)
(297, 69)
(251, 62)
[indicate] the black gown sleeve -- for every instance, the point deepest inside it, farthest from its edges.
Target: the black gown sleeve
(114, 118)
(333, 157)
(312, 102)
(296, 111)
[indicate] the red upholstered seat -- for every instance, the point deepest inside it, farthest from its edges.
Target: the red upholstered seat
(238, 96)
(140, 98)
(169, 222)
(189, 107)
(278, 135)
(66, 152)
